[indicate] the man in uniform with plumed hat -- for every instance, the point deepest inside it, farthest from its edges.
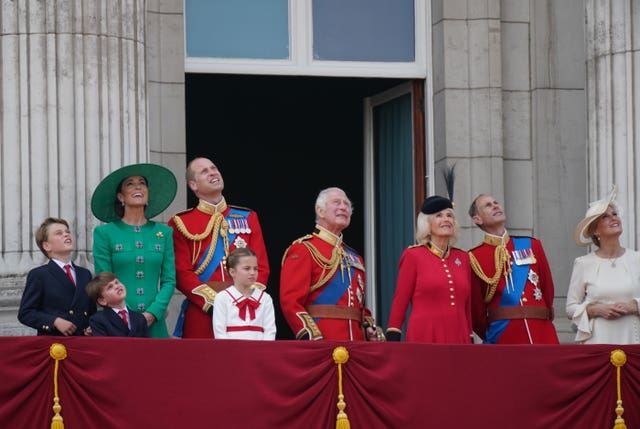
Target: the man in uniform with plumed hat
(203, 237)
(512, 293)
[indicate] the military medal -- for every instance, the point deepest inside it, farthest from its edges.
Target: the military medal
(533, 278)
(524, 257)
(458, 262)
(240, 242)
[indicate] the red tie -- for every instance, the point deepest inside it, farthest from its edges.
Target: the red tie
(67, 268)
(123, 314)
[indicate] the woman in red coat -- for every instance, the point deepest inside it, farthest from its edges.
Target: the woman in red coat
(435, 278)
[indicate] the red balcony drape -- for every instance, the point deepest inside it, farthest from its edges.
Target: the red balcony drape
(145, 383)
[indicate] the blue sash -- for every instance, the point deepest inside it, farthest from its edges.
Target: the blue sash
(510, 298)
(335, 288)
(218, 254)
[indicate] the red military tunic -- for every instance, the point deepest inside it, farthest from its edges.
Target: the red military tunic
(193, 232)
(538, 292)
(438, 286)
(319, 269)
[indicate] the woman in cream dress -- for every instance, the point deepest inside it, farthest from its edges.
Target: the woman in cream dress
(604, 292)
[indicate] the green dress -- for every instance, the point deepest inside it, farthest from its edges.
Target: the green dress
(142, 259)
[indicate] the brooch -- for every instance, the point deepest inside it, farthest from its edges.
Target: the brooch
(240, 242)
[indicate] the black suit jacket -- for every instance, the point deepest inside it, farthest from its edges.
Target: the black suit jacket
(49, 293)
(107, 323)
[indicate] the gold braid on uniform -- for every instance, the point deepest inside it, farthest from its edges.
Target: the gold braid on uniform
(217, 224)
(503, 267)
(329, 266)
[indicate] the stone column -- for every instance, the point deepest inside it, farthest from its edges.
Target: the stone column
(166, 88)
(467, 102)
(73, 108)
(613, 101)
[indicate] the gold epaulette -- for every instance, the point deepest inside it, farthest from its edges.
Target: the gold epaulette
(301, 239)
(415, 245)
(240, 207)
(258, 286)
(184, 212)
(296, 241)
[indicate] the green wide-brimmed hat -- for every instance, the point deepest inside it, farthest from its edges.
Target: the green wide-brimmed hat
(161, 183)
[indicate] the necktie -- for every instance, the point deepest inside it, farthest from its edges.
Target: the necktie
(123, 314)
(67, 268)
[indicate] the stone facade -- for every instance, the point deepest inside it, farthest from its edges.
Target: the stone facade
(532, 101)
(82, 83)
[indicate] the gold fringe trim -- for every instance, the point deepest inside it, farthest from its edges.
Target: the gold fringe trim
(340, 357)
(618, 359)
(58, 352)
(503, 267)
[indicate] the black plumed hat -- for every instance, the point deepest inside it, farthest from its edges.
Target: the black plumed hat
(435, 203)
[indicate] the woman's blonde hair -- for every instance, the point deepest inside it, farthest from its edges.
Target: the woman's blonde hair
(423, 228)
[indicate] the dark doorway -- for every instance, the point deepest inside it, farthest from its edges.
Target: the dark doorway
(278, 141)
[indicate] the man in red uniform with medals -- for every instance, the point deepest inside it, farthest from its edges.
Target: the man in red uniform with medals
(203, 237)
(512, 293)
(322, 282)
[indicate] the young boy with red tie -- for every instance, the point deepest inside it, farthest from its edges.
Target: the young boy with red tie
(54, 301)
(115, 320)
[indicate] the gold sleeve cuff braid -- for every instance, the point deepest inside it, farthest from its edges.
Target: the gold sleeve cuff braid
(309, 327)
(207, 293)
(369, 322)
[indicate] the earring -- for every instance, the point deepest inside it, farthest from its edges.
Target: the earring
(122, 202)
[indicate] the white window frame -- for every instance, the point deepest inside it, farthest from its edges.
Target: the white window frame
(302, 63)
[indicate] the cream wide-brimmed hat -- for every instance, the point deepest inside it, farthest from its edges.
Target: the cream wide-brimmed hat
(595, 210)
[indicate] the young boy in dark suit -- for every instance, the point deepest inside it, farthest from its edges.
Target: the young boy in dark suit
(115, 320)
(54, 301)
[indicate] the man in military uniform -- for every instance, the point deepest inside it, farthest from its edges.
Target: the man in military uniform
(203, 237)
(512, 294)
(322, 282)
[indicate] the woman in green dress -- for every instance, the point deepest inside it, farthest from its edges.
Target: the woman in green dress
(136, 249)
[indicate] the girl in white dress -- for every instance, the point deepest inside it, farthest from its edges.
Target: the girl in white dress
(604, 291)
(244, 311)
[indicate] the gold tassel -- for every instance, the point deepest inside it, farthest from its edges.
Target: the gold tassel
(341, 356)
(58, 352)
(618, 359)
